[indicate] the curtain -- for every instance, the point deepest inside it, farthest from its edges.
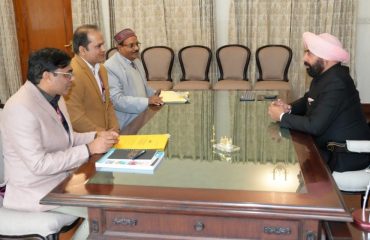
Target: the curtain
(10, 66)
(87, 12)
(259, 22)
(167, 23)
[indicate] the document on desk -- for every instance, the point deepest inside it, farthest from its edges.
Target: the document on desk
(174, 97)
(152, 141)
(112, 162)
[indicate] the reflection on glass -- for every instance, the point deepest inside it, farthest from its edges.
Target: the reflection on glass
(266, 160)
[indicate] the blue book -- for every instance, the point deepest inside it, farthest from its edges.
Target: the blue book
(121, 160)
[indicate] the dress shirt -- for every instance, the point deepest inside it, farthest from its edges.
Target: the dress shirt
(95, 71)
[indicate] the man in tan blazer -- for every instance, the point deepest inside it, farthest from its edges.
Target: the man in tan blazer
(88, 101)
(40, 147)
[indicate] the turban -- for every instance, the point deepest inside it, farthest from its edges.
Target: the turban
(123, 35)
(325, 46)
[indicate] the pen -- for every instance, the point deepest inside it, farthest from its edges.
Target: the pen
(154, 162)
(138, 154)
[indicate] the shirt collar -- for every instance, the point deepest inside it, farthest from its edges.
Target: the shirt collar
(126, 59)
(52, 100)
(95, 68)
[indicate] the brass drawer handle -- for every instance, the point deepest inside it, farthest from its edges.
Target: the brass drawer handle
(199, 226)
(277, 230)
(124, 221)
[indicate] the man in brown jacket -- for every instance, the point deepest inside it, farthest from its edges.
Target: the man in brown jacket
(88, 101)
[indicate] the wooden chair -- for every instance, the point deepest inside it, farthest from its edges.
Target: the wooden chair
(110, 52)
(16, 224)
(273, 63)
(158, 63)
(233, 61)
(195, 61)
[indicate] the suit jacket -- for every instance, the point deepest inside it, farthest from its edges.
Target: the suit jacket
(123, 93)
(330, 110)
(38, 151)
(85, 105)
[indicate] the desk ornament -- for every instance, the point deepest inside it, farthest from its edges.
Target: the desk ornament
(213, 139)
(226, 145)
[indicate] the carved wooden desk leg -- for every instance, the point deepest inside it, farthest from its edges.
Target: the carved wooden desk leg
(311, 230)
(95, 222)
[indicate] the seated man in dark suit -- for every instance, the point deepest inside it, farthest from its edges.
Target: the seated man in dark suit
(331, 109)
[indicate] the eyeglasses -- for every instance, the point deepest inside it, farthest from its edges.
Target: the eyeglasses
(67, 75)
(132, 45)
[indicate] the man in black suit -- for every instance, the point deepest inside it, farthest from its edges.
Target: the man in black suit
(331, 109)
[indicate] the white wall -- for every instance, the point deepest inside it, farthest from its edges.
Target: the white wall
(363, 50)
(362, 39)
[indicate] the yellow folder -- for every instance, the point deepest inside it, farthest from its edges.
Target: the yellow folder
(152, 141)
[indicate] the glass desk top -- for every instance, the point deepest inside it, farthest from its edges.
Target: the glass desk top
(266, 159)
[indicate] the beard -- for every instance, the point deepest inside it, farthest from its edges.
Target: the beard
(315, 69)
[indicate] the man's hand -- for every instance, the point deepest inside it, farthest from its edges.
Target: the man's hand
(103, 142)
(155, 100)
(277, 108)
(286, 107)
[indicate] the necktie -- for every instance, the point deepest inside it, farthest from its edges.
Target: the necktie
(102, 88)
(62, 119)
(133, 65)
(54, 104)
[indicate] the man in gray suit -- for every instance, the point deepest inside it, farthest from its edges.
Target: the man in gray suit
(39, 145)
(128, 86)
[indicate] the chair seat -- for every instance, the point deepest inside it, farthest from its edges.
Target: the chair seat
(192, 85)
(16, 223)
(352, 181)
(160, 85)
(272, 85)
(231, 84)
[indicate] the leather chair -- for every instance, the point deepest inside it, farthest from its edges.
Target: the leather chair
(110, 52)
(195, 61)
(233, 61)
(158, 63)
(16, 224)
(273, 63)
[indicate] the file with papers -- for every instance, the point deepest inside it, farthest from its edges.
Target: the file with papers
(174, 97)
(117, 160)
(152, 141)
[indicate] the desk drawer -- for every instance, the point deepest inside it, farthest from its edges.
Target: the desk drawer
(191, 225)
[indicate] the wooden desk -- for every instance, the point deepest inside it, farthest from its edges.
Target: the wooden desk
(275, 187)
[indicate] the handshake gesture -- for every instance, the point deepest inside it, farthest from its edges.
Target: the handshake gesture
(277, 109)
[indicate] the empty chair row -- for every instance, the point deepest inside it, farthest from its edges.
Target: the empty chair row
(272, 61)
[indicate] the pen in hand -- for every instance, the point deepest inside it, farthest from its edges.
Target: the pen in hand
(138, 154)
